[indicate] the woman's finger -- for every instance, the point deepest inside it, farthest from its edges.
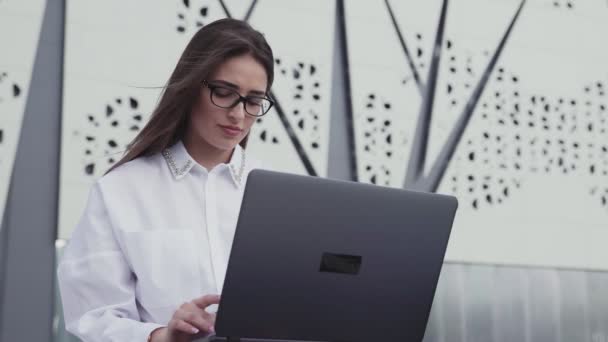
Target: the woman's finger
(205, 301)
(194, 308)
(183, 326)
(196, 319)
(211, 318)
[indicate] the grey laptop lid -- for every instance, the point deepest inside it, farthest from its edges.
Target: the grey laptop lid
(323, 260)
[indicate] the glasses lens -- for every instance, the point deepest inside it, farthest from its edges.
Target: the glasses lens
(223, 97)
(257, 106)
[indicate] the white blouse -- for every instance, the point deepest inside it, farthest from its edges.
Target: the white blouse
(156, 232)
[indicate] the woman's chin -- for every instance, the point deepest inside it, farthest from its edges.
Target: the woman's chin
(227, 144)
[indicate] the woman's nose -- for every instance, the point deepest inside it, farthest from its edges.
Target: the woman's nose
(237, 112)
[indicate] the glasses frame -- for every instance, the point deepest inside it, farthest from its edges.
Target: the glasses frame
(241, 99)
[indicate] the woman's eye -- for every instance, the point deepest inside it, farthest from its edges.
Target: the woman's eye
(254, 102)
(221, 92)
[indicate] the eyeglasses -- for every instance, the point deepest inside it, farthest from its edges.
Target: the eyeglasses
(225, 97)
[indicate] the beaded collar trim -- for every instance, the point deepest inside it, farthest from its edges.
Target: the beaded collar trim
(178, 172)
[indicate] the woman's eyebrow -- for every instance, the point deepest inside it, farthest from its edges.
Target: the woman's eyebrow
(235, 86)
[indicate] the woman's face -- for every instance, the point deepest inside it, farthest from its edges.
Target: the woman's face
(223, 128)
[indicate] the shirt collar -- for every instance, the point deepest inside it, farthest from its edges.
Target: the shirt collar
(181, 163)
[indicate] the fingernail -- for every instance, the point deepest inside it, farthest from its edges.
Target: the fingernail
(194, 331)
(212, 329)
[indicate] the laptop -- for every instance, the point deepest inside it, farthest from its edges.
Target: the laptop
(315, 259)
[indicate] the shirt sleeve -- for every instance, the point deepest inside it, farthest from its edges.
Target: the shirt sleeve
(96, 283)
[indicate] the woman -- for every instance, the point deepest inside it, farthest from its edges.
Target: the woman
(150, 253)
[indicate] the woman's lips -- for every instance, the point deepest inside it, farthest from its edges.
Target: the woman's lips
(231, 131)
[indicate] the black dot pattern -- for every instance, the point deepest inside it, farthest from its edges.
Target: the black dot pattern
(420, 57)
(462, 75)
(380, 140)
(107, 132)
(9, 91)
(192, 15)
(460, 71)
(301, 104)
(563, 4)
(527, 133)
(522, 133)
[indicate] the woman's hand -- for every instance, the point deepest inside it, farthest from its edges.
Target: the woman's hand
(190, 321)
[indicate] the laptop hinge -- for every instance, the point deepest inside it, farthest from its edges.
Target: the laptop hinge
(233, 339)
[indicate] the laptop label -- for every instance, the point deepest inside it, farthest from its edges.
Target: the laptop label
(340, 263)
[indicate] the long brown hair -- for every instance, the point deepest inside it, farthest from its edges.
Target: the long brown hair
(208, 48)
